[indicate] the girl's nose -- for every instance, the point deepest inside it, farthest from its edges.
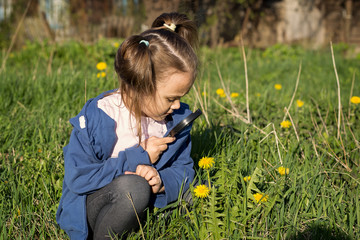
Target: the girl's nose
(175, 105)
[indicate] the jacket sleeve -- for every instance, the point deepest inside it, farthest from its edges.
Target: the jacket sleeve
(84, 173)
(176, 175)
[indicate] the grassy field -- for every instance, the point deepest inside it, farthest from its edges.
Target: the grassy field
(293, 101)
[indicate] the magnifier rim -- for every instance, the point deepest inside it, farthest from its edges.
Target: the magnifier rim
(186, 121)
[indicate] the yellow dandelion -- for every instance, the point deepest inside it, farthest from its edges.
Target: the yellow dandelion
(203, 93)
(258, 94)
(116, 44)
(101, 66)
(278, 86)
(247, 179)
(101, 75)
(260, 197)
(220, 91)
(234, 95)
(355, 99)
(282, 171)
(285, 124)
(299, 103)
(39, 150)
(206, 162)
(201, 191)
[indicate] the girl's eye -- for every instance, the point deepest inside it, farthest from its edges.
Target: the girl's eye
(171, 100)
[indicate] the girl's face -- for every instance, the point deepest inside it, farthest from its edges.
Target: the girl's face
(167, 97)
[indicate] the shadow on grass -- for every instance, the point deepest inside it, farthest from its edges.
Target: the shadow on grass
(320, 231)
(207, 141)
(204, 141)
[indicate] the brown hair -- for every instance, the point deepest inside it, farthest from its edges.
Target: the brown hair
(139, 65)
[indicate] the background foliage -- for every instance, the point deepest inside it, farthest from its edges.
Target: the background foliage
(43, 85)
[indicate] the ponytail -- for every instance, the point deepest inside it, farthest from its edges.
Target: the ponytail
(183, 26)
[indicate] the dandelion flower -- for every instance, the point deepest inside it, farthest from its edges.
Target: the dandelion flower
(355, 99)
(220, 92)
(247, 179)
(299, 103)
(201, 191)
(39, 150)
(285, 124)
(203, 93)
(101, 66)
(282, 171)
(258, 94)
(116, 44)
(278, 86)
(234, 94)
(101, 74)
(206, 162)
(261, 197)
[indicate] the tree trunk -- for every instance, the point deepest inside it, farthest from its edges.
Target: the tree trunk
(348, 7)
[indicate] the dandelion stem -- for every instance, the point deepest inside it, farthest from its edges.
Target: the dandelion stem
(246, 83)
(277, 144)
(338, 90)
(293, 96)
(293, 125)
(351, 92)
(208, 175)
(201, 105)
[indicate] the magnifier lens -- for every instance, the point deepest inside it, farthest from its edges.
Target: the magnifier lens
(184, 123)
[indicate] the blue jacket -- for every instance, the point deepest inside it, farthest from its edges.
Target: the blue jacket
(89, 167)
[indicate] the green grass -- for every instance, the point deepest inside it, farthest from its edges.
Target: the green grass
(44, 86)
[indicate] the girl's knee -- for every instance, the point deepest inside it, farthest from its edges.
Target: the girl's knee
(132, 182)
(134, 187)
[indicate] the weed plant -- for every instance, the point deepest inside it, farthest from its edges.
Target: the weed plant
(300, 181)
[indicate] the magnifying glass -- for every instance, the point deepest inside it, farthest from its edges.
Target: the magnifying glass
(184, 123)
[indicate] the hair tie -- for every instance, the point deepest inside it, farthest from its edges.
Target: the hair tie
(172, 26)
(145, 42)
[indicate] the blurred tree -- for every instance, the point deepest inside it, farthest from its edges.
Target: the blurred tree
(109, 18)
(8, 25)
(227, 19)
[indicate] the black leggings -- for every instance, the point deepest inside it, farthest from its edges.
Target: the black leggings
(110, 211)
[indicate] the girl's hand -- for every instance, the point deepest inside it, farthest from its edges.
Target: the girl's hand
(155, 147)
(151, 175)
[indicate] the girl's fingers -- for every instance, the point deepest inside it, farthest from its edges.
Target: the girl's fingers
(146, 171)
(154, 181)
(168, 139)
(141, 170)
(150, 175)
(163, 147)
(161, 141)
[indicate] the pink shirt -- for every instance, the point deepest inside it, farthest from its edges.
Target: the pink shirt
(125, 124)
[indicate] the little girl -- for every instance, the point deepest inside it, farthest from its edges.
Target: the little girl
(117, 157)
